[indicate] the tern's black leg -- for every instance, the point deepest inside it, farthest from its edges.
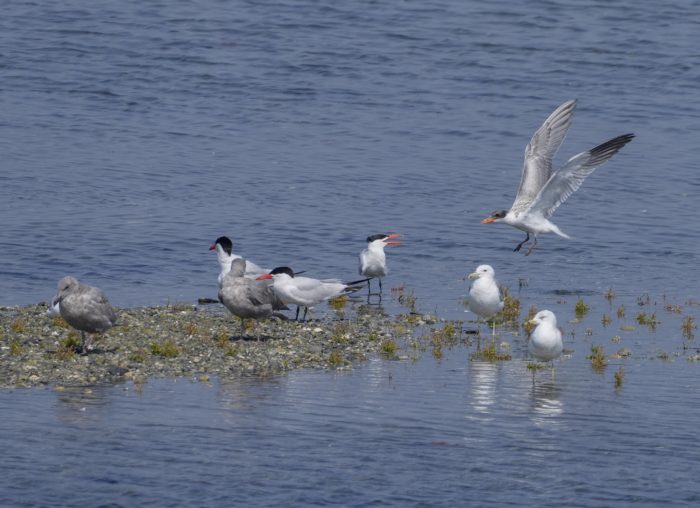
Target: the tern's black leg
(380, 285)
(520, 245)
(297, 316)
(531, 247)
(369, 287)
(306, 309)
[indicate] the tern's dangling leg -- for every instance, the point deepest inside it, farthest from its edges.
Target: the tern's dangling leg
(520, 245)
(531, 247)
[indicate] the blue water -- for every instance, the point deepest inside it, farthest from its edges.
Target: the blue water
(132, 134)
(388, 434)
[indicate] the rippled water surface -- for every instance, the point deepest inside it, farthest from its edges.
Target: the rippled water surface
(132, 134)
(389, 433)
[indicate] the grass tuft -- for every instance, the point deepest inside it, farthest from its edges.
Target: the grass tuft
(15, 347)
(535, 366)
(511, 307)
(389, 347)
(167, 349)
(59, 322)
(408, 300)
(648, 320)
(597, 358)
(687, 327)
(609, 295)
(581, 308)
(527, 325)
(71, 342)
(190, 329)
(336, 359)
(338, 303)
(19, 325)
(490, 353)
(621, 312)
(619, 377)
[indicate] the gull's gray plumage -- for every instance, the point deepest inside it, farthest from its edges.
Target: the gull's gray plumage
(247, 298)
(84, 307)
(537, 167)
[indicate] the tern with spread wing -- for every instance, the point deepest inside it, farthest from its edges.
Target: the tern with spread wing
(373, 258)
(542, 190)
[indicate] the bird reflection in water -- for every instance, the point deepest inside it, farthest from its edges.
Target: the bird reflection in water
(80, 405)
(547, 408)
(483, 379)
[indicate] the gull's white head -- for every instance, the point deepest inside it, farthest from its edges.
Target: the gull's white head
(544, 316)
(482, 271)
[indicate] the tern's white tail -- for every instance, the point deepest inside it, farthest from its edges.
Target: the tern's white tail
(555, 229)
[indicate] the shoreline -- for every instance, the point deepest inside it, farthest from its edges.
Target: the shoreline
(185, 340)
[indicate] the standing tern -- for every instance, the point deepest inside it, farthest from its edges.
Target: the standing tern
(85, 308)
(373, 258)
(541, 190)
(247, 298)
(485, 298)
(224, 254)
(305, 291)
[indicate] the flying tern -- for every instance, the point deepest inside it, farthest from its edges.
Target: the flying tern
(541, 189)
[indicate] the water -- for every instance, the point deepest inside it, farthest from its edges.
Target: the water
(388, 433)
(132, 135)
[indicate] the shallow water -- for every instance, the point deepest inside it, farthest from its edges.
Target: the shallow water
(411, 433)
(132, 135)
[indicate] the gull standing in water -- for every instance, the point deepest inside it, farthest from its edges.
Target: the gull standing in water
(224, 254)
(485, 299)
(247, 298)
(85, 308)
(545, 341)
(541, 190)
(305, 291)
(373, 258)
